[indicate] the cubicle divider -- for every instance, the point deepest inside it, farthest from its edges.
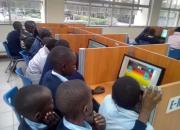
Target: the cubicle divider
(167, 112)
(118, 37)
(81, 40)
(103, 64)
(101, 67)
(156, 48)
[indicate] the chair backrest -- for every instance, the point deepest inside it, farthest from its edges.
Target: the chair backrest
(8, 98)
(26, 81)
(25, 56)
(6, 48)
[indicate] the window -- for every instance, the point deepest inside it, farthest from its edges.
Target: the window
(169, 13)
(21, 10)
(108, 12)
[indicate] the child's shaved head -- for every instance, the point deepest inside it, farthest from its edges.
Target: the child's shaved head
(126, 92)
(72, 98)
(63, 60)
(33, 102)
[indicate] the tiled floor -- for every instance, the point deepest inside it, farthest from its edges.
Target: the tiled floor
(8, 120)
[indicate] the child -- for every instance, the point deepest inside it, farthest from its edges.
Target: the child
(122, 107)
(36, 64)
(64, 65)
(74, 100)
(48, 66)
(13, 39)
(38, 42)
(35, 105)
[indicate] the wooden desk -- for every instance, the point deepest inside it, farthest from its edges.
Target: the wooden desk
(108, 89)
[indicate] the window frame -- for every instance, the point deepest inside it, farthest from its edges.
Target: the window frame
(132, 5)
(10, 22)
(169, 10)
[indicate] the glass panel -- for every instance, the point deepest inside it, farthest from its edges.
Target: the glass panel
(173, 18)
(121, 17)
(140, 17)
(163, 17)
(178, 4)
(174, 3)
(4, 14)
(166, 3)
(100, 16)
(22, 10)
(142, 2)
(76, 13)
(124, 1)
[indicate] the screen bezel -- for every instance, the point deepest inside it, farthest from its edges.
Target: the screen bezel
(97, 42)
(162, 68)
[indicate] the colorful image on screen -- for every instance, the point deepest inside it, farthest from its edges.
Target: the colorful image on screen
(141, 73)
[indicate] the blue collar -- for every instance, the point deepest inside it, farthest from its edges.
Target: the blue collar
(34, 125)
(71, 126)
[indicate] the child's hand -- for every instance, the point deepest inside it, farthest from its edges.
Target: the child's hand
(99, 121)
(151, 98)
(51, 119)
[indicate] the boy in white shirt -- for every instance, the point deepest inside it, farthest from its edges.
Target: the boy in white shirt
(36, 64)
(121, 109)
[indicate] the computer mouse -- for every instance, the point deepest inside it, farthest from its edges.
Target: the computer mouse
(99, 90)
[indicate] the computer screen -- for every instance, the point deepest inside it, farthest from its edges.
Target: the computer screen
(164, 33)
(145, 73)
(94, 44)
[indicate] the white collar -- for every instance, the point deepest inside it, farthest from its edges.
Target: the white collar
(46, 50)
(71, 126)
(62, 78)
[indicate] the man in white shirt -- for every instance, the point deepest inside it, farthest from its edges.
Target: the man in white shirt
(36, 64)
(174, 42)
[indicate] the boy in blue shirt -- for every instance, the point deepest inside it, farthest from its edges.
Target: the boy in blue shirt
(35, 106)
(74, 100)
(64, 66)
(13, 39)
(123, 108)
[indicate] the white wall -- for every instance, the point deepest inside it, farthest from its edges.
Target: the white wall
(54, 11)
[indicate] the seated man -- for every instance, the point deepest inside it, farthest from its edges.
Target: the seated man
(36, 64)
(121, 109)
(64, 65)
(147, 37)
(74, 100)
(37, 44)
(35, 104)
(174, 42)
(13, 39)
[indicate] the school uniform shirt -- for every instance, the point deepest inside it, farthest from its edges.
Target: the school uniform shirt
(36, 64)
(35, 47)
(118, 118)
(66, 125)
(14, 43)
(174, 40)
(52, 80)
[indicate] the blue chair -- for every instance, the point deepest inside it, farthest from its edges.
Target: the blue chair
(26, 81)
(25, 56)
(8, 98)
(174, 53)
(13, 60)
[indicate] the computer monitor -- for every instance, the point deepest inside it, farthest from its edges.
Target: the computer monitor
(95, 44)
(164, 33)
(145, 73)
